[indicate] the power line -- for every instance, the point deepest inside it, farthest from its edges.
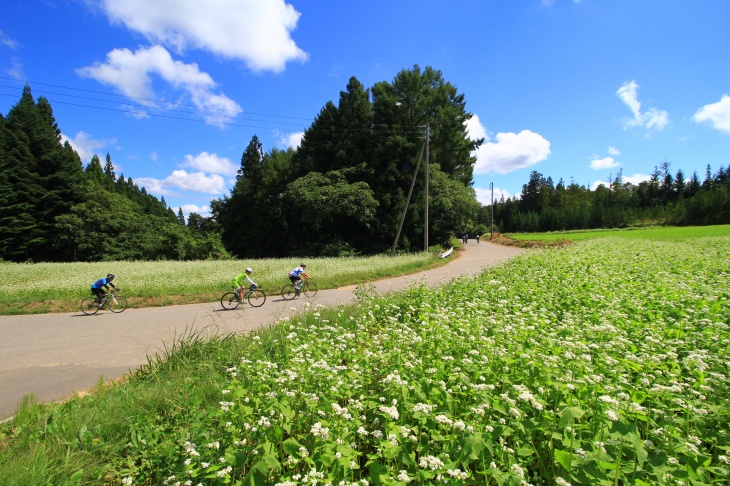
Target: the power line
(199, 112)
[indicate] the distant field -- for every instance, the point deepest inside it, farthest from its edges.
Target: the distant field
(667, 233)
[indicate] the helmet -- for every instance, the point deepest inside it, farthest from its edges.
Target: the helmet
(302, 264)
(248, 270)
(110, 275)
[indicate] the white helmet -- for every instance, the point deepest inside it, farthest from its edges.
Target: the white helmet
(248, 270)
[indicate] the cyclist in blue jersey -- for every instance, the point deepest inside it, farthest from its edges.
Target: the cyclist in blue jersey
(296, 276)
(97, 288)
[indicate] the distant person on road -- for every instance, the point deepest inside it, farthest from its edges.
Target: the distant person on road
(296, 276)
(241, 280)
(477, 239)
(97, 288)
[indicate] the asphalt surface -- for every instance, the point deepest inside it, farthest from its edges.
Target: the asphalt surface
(56, 355)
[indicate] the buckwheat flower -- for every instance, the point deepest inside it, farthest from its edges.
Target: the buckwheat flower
(430, 462)
(492, 465)
(319, 431)
(611, 415)
(214, 445)
(127, 480)
(204, 465)
(303, 452)
(456, 473)
(392, 411)
(403, 476)
(362, 431)
(286, 483)
(225, 392)
(517, 471)
(489, 428)
(561, 482)
(673, 460)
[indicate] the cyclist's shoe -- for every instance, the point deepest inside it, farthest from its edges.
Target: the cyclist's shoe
(101, 306)
(296, 292)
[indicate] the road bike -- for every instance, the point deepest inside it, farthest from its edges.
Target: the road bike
(113, 301)
(308, 288)
(255, 298)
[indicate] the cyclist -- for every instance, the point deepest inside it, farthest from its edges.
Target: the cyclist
(97, 288)
(296, 277)
(244, 278)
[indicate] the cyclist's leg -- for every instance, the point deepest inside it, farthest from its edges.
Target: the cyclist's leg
(99, 295)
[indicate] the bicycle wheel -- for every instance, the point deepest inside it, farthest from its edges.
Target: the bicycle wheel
(309, 289)
(117, 303)
(256, 298)
(89, 306)
(229, 301)
(288, 292)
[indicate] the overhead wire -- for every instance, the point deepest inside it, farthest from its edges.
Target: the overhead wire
(204, 113)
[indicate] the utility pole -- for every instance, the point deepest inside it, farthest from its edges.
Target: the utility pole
(425, 216)
(491, 231)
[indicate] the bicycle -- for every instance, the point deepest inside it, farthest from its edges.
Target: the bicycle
(308, 288)
(114, 302)
(255, 298)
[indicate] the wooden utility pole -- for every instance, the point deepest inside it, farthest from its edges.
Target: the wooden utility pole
(425, 216)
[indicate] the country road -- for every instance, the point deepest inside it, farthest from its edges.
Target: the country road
(55, 355)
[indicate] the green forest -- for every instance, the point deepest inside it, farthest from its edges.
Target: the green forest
(664, 199)
(360, 169)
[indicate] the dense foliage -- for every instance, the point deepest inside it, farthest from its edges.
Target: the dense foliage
(664, 198)
(344, 189)
(52, 209)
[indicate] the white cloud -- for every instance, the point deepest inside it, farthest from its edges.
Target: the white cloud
(181, 179)
(291, 140)
(204, 211)
(257, 32)
(196, 181)
(716, 114)
(484, 195)
(6, 41)
(614, 151)
(211, 163)
(475, 130)
(604, 163)
(131, 73)
(86, 146)
(653, 118)
(511, 151)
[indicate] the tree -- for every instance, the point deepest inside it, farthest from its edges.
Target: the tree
(180, 216)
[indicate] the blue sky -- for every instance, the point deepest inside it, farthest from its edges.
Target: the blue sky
(574, 89)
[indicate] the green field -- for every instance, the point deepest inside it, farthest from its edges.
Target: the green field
(59, 287)
(674, 233)
(604, 362)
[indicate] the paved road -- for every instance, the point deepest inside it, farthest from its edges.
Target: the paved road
(55, 355)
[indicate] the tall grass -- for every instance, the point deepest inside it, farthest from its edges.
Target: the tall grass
(47, 287)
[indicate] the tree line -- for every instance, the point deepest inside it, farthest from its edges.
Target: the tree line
(664, 198)
(54, 209)
(343, 191)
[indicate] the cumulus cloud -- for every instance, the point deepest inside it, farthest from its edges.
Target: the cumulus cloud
(291, 140)
(614, 151)
(716, 114)
(484, 195)
(511, 151)
(211, 163)
(132, 74)
(257, 32)
(604, 163)
(204, 211)
(86, 146)
(182, 179)
(635, 180)
(475, 130)
(652, 119)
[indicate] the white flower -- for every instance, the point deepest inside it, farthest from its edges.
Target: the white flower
(127, 480)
